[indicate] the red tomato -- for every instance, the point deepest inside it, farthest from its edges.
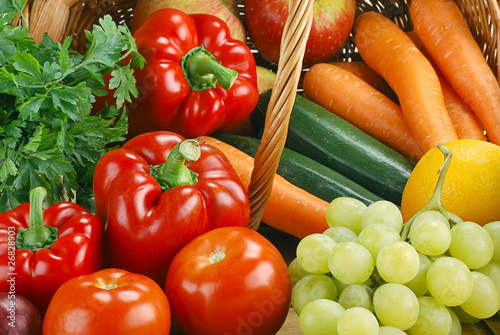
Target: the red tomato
(231, 280)
(109, 301)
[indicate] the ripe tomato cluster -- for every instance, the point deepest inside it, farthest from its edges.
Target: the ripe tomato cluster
(226, 281)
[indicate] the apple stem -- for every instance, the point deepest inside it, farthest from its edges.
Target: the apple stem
(203, 70)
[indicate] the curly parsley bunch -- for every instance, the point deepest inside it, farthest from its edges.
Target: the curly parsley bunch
(48, 136)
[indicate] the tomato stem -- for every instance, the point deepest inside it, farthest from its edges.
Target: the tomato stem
(174, 172)
(435, 202)
(216, 256)
(202, 70)
(37, 236)
(110, 286)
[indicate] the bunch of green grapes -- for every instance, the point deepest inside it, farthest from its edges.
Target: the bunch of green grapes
(371, 274)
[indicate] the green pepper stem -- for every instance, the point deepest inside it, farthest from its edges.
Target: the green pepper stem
(435, 202)
(203, 70)
(174, 172)
(37, 235)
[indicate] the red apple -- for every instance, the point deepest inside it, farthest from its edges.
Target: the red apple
(332, 23)
(265, 78)
(232, 6)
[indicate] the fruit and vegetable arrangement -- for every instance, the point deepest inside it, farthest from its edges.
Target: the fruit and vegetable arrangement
(125, 174)
(424, 275)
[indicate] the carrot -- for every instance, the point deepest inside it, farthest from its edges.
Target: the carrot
(446, 36)
(357, 102)
(289, 208)
(364, 72)
(463, 117)
(391, 53)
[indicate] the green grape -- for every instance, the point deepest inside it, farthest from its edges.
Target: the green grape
(357, 320)
(350, 263)
(433, 318)
(382, 211)
(455, 217)
(492, 270)
(388, 330)
(456, 326)
(395, 305)
(463, 316)
(398, 262)
(357, 295)
(429, 215)
(312, 287)
(449, 281)
(376, 236)
(418, 284)
(313, 251)
(346, 212)
(320, 317)
(472, 244)
(430, 237)
(296, 271)
(341, 234)
(484, 301)
(493, 228)
(340, 286)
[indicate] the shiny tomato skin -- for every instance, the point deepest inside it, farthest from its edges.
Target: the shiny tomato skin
(248, 291)
(108, 302)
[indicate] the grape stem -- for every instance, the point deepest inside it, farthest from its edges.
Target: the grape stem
(435, 202)
(375, 280)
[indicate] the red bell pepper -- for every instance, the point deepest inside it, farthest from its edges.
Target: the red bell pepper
(157, 193)
(41, 249)
(196, 79)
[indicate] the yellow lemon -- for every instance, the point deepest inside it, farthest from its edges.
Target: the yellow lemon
(471, 187)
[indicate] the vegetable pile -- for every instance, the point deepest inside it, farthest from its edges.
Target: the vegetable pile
(124, 173)
(188, 189)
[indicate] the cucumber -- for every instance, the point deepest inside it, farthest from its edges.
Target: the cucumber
(306, 173)
(315, 132)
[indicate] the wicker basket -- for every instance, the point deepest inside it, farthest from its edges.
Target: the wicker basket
(71, 17)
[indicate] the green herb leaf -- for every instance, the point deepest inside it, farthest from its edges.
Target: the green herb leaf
(123, 80)
(28, 67)
(107, 44)
(7, 168)
(10, 7)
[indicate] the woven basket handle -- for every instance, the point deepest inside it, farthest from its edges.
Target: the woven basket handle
(293, 43)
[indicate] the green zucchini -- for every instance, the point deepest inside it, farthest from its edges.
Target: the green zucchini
(315, 132)
(306, 173)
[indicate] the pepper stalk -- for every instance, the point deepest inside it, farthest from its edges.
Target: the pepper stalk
(37, 236)
(202, 70)
(174, 172)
